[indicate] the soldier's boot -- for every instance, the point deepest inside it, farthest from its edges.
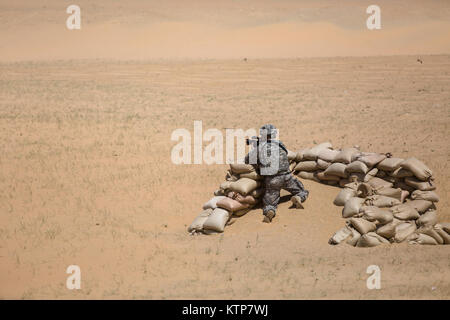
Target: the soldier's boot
(269, 216)
(297, 202)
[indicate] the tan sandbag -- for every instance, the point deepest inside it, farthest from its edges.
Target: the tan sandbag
(251, 175)
(327, 155)
(425, 195)
(444, 225)
(389, 164)
(381, 201)
(371, 174)
(423, 239)
(371, 213)
(429, 218)
(378, 184)
(402, 185)
(344, 195)
(230, 176)
(366, 241)
(313, 153)
(219, 192)
(430, 231)
(364, 190)
(322, 165)
(299, 155)
(321, 175)
(420, 185)
(248, 199)
(362, 225)
(370, 159)
(395, 193)
(352, 206)
(405, 212)
(258, 193)
(308, 166)
(420, 205)
(239, 168)
(388, 230)
(197, 224)
(380, 238)
(291, 155)
(340, 235)
(345, 156)
(226, 185)
(242, 212)
(390, 179)
(212, 203)
(401, 173)
(357, 167)
(353, 239)
(420, 170)
(444, 235)
(231, 204)
(349, 184)
(336, 169)
(381, 174)
(244, 185)
(217, 220)
(307, 175)
(403, 230)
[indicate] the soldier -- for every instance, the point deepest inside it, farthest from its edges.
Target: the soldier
(270, 156)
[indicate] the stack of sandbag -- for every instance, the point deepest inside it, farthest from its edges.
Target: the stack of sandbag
(386, 200)
(237, 195)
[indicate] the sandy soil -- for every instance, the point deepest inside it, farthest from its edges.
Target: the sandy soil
(86, 176)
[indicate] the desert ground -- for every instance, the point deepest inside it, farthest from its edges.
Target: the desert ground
(86, 118)
(86, 176)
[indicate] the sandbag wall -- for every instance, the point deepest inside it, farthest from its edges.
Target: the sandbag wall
(240, 192)
(384, 199)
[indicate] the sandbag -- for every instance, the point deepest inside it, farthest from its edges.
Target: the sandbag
(353, 240)
(345, 156)
(230, 176)
(349, 184)
(299, 155)
(308, 166)
(381, 201)
(357, 167)
(367, 240)
(395, 193)
(219, 192)
(362, 226)
(340, 236)
(444, 225)
(226, 185)
(403, 230)
(402, 185)
(321, 175)
(423, 239)
(389, 164)
(291, 155)
(322, 165)
(356, 176)
(239, 168)
(217, 220)
(308, 175)
(425, 195)
(388, 230)
(378, 184)
(401, 173)
(371, 174)
(429, 218)
(371, 213)
(313, 153)
(197, 224)
(212, 203)
(251, 175)
(420, 170)
(231, 205)
(248, 199)
(257, 193)
(364, 190)
(420, 185)
(327, 155)
(430, 231)
(352, 206)
(242, 212)
(380, 238)
(420, 205)
(292, 166)
(336, 169)
(244, 185)
(444, 235)
(405, 212)
(344, 195)
(370, 159)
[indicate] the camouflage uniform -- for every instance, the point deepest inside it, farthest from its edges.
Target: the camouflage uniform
(278, 177)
